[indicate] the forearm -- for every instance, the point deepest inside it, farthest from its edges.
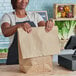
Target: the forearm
(8, 31)
(41, 23)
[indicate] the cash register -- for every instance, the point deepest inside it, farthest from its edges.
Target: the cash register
(69, 60)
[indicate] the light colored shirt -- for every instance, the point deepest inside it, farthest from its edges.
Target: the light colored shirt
(12, 19)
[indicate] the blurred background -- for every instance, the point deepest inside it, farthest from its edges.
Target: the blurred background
(34, 5)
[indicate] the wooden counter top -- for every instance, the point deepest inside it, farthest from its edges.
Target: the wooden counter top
(13, 70)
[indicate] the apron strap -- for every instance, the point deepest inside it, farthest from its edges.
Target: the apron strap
(13, 52)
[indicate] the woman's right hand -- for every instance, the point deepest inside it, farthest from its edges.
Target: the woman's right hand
(27, 27)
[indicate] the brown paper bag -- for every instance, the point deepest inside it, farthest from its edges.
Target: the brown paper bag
(35, 49)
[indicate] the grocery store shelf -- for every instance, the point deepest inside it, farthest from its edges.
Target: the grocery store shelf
(62, 19)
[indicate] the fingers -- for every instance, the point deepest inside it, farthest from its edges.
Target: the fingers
(27, 27)
(48, 26)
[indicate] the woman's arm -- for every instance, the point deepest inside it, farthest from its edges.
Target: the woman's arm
(9, 30)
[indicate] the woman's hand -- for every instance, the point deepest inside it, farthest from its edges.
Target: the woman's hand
(27, 27)
(49, 25)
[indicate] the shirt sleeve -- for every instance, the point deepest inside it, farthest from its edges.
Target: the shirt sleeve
(5, 18)
(38, 17)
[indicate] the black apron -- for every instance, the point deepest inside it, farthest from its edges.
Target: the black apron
(13, 57)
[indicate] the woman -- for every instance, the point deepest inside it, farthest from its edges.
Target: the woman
(20, 19)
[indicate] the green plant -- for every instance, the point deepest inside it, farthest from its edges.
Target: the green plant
(4, 50)
(65, 28)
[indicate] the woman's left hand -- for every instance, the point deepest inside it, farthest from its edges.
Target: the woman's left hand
(49, 25)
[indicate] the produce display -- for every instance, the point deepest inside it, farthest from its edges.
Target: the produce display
(65, 28)
(64, 11)
(65, 19)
